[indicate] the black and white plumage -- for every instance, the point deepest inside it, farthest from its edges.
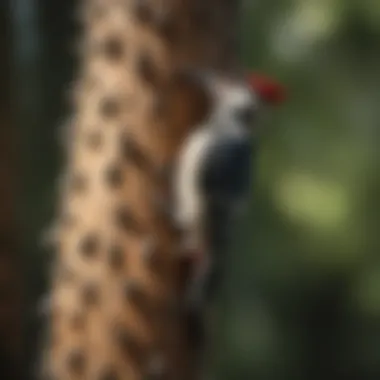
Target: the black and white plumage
(212, 181)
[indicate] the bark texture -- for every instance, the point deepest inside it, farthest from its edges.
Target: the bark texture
(115, 282)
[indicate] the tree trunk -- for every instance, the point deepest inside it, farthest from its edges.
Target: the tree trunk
(11, 273)
(115, 282)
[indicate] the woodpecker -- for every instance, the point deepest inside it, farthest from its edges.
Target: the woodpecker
(211, 181)
(212, 176)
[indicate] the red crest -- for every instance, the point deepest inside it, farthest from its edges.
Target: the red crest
(267, 88)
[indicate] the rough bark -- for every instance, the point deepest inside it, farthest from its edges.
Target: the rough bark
(11, 274)
(115, 283)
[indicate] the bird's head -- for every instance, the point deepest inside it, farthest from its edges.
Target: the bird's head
(268, 90)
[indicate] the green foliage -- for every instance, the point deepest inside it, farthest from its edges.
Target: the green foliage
(311, 218)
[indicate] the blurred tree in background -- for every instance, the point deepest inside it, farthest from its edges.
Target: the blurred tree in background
(302, 300)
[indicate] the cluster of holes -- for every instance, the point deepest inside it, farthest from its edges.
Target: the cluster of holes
(113, 48)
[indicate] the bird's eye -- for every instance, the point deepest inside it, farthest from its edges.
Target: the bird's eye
(245, 115)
